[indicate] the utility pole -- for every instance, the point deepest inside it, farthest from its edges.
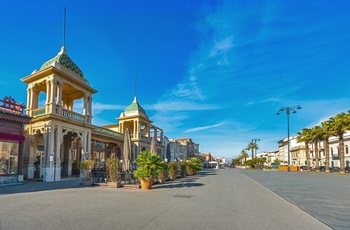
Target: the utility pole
(255, 140)
(288, 111)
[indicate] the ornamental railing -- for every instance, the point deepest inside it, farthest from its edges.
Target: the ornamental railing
(107, 132)
(39, 111)
(73, 115)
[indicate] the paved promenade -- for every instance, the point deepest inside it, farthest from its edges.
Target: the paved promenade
(325, 196)
(214, 199)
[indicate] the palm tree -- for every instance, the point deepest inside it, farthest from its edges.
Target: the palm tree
(252, 146)
(326, 127)
(316, 134)
(339, 125)
(244, 155)
(305, 136)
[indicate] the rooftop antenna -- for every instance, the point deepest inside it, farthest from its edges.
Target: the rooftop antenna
(64, 27)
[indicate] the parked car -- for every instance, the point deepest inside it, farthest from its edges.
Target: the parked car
(303, 168)
(334, 169)
(322, 168)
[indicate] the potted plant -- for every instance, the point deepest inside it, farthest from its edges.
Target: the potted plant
(162, 172)
(172, 170)
(113, 172)
(85, 172)
(148, 163)
(193, 166)
(182, 168)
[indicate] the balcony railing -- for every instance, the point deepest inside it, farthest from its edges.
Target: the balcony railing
(65, 113)
(107, 132)
(39, 111)
(73, 115)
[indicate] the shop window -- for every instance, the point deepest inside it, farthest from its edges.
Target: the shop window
(8, 157)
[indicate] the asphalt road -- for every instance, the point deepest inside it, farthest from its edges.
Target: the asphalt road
(214, 199)
(323, 195)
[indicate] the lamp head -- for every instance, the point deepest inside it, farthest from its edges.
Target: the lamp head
(299, 107)
(278, 113)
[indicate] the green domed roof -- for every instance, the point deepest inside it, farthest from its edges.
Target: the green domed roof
(134, 107)
(64, 60)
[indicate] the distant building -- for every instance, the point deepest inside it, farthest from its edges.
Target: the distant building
(207, 156)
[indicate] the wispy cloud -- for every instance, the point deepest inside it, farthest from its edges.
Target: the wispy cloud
(202, 128)
(181, 105)
(271, 99)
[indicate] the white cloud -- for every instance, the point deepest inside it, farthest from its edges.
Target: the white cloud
(271, 99)
(180, 105)
(222, 46)
(202, 128)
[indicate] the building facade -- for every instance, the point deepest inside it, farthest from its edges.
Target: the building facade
(12, 137)
(58, 137)
(298, 152)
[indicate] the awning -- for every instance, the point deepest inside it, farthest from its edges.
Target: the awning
(11, 137)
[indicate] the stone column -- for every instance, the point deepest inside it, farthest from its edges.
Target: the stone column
(134, 131)
(57, 156)
(48, 92)
(29, 99)
(60, 88)
(48, 167)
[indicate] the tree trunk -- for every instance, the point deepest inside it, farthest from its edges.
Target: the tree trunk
(307, 152)
(316, 156)
(326, 146)
(341, 154)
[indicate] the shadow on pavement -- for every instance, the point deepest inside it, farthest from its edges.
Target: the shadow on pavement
(176, 185)
(35, 186)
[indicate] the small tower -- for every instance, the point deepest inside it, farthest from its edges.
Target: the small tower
(136, 120)
(51, 94)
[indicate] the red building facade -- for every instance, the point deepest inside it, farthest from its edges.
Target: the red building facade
(12, 121)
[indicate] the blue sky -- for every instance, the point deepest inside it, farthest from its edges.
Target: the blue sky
(215, 71)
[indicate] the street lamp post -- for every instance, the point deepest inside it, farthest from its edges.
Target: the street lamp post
(255, 140)
(288, 110)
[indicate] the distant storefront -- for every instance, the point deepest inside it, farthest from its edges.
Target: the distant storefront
(12, 121)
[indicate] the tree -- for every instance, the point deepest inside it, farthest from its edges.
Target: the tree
(305, 136)
(244, 155)
(327, 132)
(252, 146)
(339, 125)
(316, 135)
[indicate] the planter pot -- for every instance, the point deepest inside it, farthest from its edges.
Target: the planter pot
(146, 183)
(172, 177)
(183, 174)
(114, 184)
(162, 180)
(86, 183)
